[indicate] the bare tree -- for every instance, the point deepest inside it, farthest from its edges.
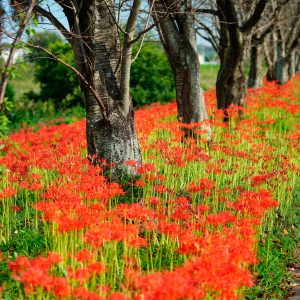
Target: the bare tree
(297, 61)
(103, 49)
(13, 49)
(237, 19)
(175, 24)
(281, 45)
(229, 31)
(268, 23)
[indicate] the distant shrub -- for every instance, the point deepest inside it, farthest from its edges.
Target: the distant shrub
(151, 77)
(10, 92)
(6, 110)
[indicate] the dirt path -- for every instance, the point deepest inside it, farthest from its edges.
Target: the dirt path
(296, 288)
(296, 295)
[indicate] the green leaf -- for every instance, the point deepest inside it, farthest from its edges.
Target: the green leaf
(28, 31)
(36, 22)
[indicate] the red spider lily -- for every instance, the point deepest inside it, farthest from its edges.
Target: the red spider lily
(117, 296)
(8, 192)
(96, 268)
(81, 293)
(205, 184)
(255, 203)
(145, 168)
(83, 255)
(221, 218)
(16, 208)
(34, 274)
(170, 229)
(81, 275)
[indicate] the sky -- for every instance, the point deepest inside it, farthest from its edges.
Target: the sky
(58, 13)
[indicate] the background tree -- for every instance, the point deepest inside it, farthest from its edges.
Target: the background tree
(2, 12)
(176, 28)
(267, 24)
(281, 45)
(237, 19)
(228, 26)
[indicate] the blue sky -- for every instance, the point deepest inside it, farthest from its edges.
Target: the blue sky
(58, 13)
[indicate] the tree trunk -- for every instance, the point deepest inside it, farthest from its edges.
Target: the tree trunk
(281, 66)
(231, 81)
(179, 40)
(271, 55)
(2, 12)
(292, 65)
(234, 41)
(190, 98)
(231, 85)
(282, 71)
(297, 63)
(271, 74)
(112, 138)
(256, 61)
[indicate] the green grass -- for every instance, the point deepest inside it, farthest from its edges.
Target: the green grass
(27, 241)
(276, 253)
(208, 76)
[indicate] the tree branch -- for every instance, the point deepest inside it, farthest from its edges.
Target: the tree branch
(206, 11)
(252, 21)
(16, 41)
(47, 14)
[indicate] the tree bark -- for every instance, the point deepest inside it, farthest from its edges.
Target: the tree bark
(297, 62)
(281, 65)
(271, 74)
(292, 65)
(231, 81)
(2, 12)
(178, 37)
(256, 61)
(282, 44)
(113, 139)
(282, 70)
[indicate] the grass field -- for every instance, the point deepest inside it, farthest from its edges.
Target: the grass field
(208, 76)
(205, 220)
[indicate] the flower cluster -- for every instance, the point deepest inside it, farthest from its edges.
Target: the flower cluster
(187, 229)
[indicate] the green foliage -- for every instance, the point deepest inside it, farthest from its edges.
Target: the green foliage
(31, 110)
(151, 77)
(57, 83)
(10, 93)
(36, 113)
(6, 109)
